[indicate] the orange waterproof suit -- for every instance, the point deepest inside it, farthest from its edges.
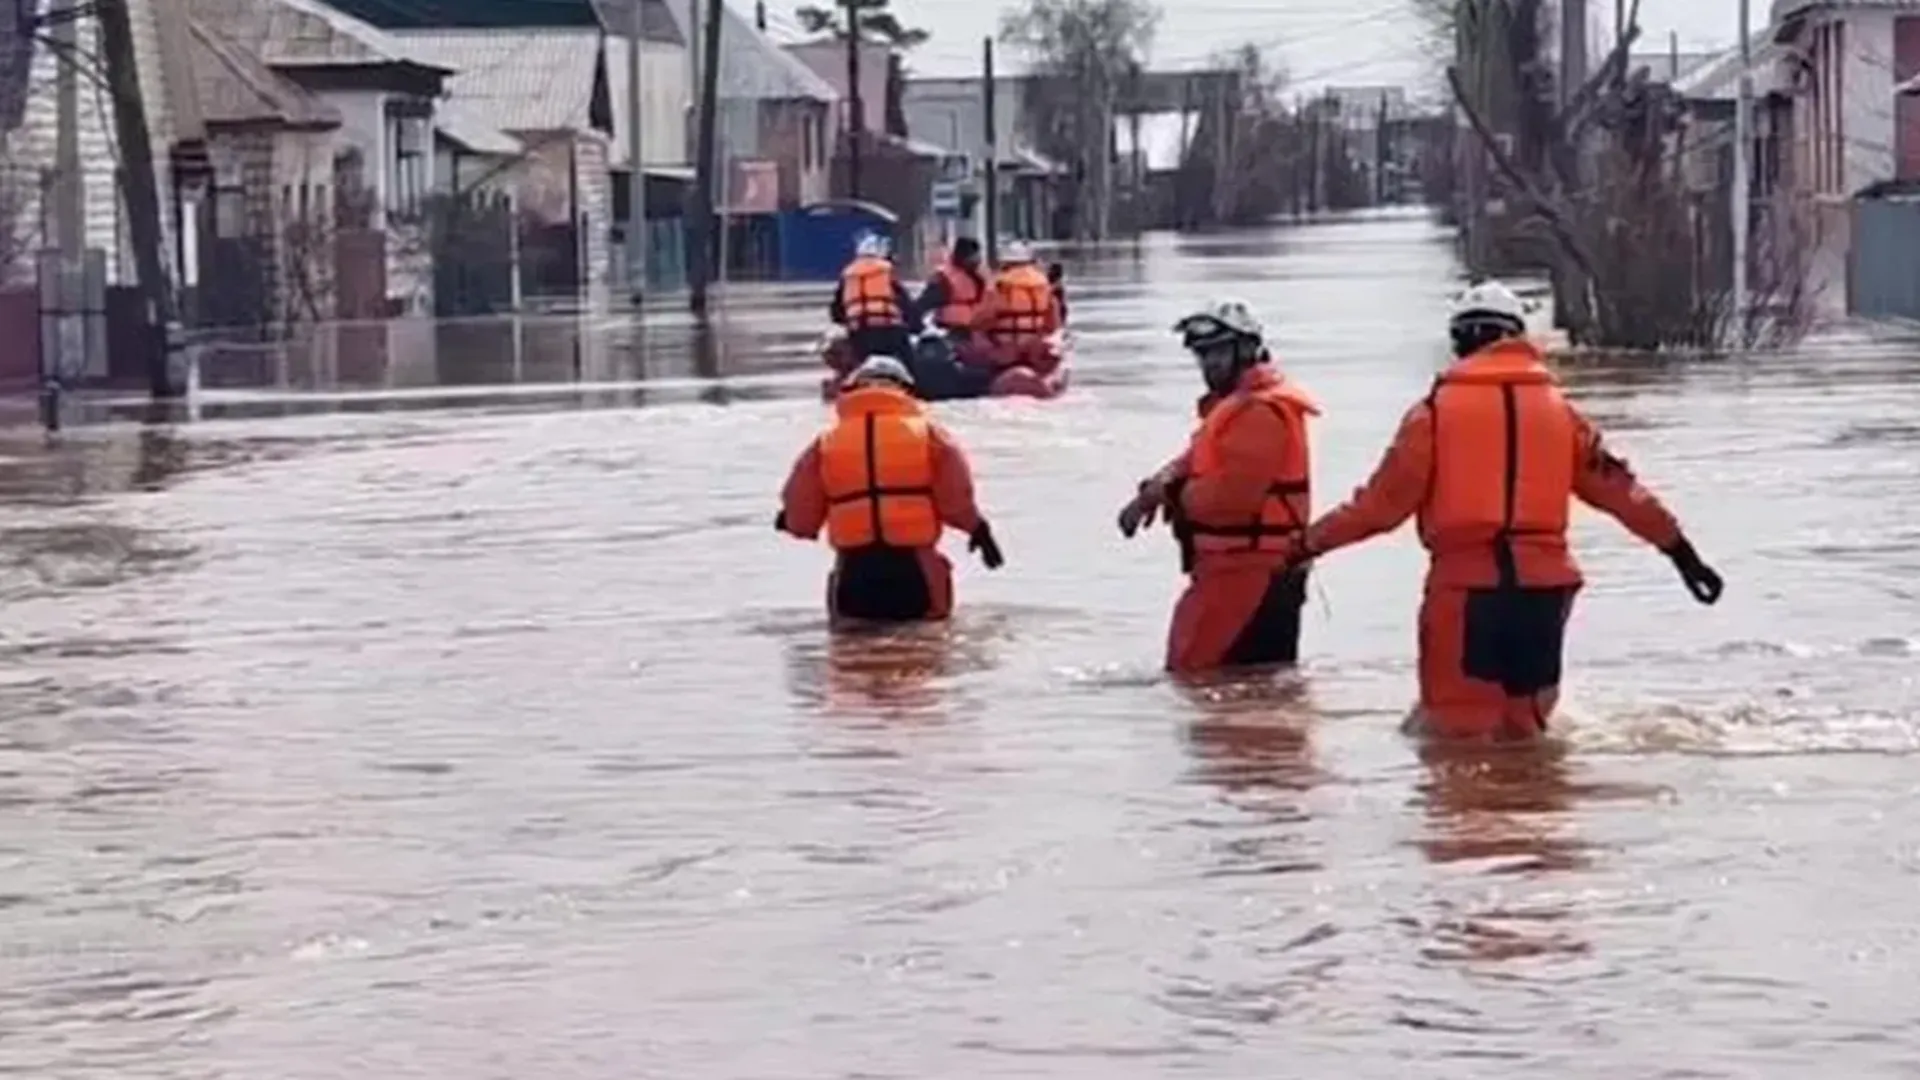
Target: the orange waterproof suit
(1242, 497)
(1019, 315)
(1491, 461)
(883, 481)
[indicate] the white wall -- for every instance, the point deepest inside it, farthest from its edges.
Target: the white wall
(1868, 98)
(363, 126)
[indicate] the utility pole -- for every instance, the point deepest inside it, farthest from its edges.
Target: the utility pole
(1742, 181)
(1469, 51)
(69, 186)
(141, 193)
(636, 166)
(856, 114)
(700, 266)
(68, 192)
(1380, 146)
(992, 152)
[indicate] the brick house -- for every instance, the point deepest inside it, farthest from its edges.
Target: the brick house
(386, 99)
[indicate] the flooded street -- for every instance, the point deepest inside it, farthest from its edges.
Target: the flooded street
(508, 742)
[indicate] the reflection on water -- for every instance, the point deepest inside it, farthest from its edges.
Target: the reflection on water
(390, 745)
(1506, 806)
(1253, 734)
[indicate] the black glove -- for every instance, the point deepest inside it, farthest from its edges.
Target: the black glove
(981, 541)
(780, 521)
(1700, 579)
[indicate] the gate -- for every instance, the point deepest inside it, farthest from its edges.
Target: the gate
(1884, 271)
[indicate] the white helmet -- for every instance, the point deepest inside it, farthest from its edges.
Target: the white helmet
(1224, 320)
(872, 246)
(879, 369)
(1016, 252)
(1490, 301)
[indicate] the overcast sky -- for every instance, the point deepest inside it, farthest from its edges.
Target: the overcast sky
(1317, 41)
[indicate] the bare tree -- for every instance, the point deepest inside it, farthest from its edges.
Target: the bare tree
(1085, 53)
(16, 204)
(875, 21)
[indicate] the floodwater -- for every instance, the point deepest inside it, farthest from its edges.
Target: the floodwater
(509, 742)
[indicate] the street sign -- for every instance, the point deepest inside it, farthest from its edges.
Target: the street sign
(946, 199)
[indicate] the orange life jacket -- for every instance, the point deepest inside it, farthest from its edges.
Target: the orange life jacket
(964, 293)
(1504, 453)
(877, 467)
(1288, 506)
(867, 293)
(1023, 305)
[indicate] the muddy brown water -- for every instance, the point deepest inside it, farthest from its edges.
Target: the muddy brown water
(508, 741)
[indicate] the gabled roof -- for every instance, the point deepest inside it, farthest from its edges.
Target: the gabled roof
(290, 33)
(233, 86)
(523, 80)
(752, 67)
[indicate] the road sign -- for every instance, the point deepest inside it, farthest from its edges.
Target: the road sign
(946, 199)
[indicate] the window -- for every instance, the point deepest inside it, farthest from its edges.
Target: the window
(813, 150)
(406, 165)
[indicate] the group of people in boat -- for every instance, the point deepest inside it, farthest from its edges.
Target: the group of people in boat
(992, 321)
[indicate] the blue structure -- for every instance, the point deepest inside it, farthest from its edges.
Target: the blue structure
(816, 242)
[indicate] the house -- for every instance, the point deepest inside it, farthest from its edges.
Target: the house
(1848, 57)
(559, 93)
(951, 114)
(253, 254)
(775, 119)
(526, 65)
(386, 99)
(895, 171)
(1852, 132)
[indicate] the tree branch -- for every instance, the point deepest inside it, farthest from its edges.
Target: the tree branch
(1569, 241)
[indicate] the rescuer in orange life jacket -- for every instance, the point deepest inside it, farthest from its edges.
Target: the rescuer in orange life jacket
(951, 301)
(1021, 312)
(884, 482)
(872, 304)
(1491, 461)
(1237, 499)
(954, 292)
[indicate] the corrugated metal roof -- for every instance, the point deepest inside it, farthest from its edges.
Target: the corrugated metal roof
(477, 138)
(286, 33)
(752, 67)
(512, 80)
(233, 86)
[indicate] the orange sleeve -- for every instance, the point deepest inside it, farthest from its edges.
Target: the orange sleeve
(952, 483)
(804, 499)
(1607, 484)
(1247, 445)
(1390, 496)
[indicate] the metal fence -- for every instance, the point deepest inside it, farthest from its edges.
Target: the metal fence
(1883, 272)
